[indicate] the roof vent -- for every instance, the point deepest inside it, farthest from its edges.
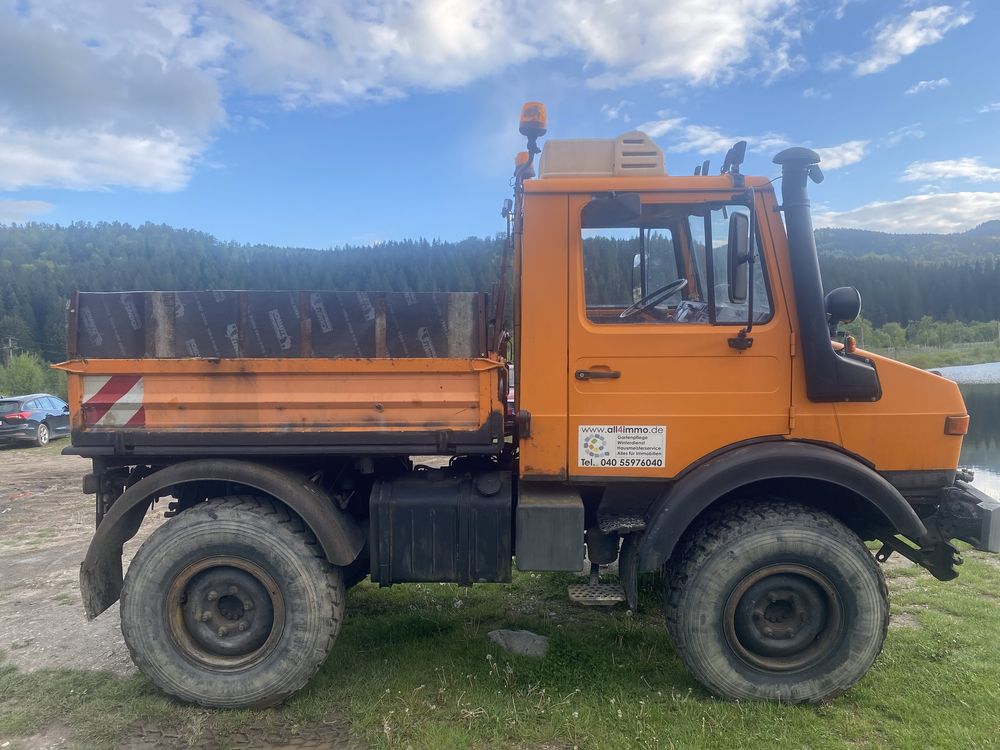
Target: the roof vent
(631, 153)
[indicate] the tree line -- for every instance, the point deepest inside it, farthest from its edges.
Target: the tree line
(41, 264)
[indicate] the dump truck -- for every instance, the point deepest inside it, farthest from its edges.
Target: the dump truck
(685, 404)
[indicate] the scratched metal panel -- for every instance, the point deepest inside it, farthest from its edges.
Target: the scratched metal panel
(110, 325)
(206, 324)
(273, 325)
(342, 324)
(230, 324)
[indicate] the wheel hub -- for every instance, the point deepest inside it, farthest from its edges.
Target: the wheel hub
(225, 612)
(783, 617)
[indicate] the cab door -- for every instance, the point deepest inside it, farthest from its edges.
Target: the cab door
(657, 382)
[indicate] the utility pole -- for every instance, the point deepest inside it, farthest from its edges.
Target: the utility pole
(9, 351)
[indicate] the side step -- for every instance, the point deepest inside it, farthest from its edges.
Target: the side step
(596, 594)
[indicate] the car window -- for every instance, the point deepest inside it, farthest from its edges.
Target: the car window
(50, 403)
(32, 405)
(9, 407)
(59, 403)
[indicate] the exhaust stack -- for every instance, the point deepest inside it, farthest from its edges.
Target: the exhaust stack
(830, 376)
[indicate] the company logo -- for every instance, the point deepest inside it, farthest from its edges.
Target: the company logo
(325, 324)
(367, 309)
(192, 347)
(132, 311)
(233, 334)
(595, 446)
(284, 340)
(90, 325)
(424, 337)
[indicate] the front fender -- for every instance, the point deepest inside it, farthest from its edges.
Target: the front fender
(340, 538)
(674, 511)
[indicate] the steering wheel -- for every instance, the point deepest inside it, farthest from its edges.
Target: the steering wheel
(654, 297)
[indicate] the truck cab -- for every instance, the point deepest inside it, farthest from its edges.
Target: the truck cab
(684, 404)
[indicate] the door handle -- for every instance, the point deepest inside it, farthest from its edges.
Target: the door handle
(598, 374)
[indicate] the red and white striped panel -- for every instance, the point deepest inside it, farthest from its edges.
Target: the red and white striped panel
(113, 401)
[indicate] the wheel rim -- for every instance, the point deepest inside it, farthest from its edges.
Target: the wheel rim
(43, 434)
(225, 613)
(783, 618)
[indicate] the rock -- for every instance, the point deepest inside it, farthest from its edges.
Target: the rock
(520, 642)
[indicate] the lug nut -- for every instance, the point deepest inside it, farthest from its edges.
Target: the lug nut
(248, 605)
(212, 596)
(772, 597)
(206, 616)
(769, 632)
(242, 626)
(233, 589)
(222, 632)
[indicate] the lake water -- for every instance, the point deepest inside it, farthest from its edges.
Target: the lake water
(980, 386)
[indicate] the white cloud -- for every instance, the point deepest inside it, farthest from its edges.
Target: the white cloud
(615, 111)
(85, 111)
(845, 154)
(83, 160)
(920, 86)
(146, 80)
(938, 212)
(811, 93)
(895, 38)
(706, 139)
(969, 168)
(13, 212)
(897, 136)
(994, 107)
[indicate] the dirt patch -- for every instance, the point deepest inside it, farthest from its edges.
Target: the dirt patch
(904, 620)
(332, 734)
(46, 523)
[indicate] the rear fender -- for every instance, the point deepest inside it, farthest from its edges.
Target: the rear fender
(101, 571)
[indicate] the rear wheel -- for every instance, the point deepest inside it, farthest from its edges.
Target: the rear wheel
(774, 600)
(42, 435)
(231, 604)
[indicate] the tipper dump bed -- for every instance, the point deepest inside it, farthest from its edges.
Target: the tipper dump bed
(301, 372)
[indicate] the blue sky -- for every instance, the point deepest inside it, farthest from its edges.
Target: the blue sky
(319, 123)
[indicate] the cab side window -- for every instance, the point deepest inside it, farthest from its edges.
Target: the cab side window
(729, 304)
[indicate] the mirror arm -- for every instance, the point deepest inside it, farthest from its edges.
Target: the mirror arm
(742, 340)
(752, 247)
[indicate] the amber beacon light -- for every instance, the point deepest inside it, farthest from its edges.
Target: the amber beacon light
(533, 120)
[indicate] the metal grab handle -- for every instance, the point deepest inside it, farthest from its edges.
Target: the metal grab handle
(597, 374)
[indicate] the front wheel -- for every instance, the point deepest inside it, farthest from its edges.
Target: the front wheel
(776, 601)
(231, 604)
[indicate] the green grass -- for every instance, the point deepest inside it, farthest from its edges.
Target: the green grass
(413, 668)
(947, 357)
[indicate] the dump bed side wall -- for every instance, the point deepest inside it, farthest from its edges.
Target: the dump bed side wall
(216, 371)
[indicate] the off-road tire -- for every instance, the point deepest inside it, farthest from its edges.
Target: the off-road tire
(42, 435)
(732, 546)
(257, 532)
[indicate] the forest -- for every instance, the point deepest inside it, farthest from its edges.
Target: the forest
(920, 282)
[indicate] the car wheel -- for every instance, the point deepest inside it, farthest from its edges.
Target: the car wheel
(773, 600)
(42, 435)
(231, 604)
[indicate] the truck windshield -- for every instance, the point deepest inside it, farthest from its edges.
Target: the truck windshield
(658, 271)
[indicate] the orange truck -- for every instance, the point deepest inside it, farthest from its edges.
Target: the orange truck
(684, 403)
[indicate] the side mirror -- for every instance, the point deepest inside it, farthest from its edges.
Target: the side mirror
(65, 410)
(617, 210)
(636, 277)
(738, 256)
(843, 305)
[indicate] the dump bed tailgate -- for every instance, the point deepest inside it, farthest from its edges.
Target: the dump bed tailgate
(280, 372)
